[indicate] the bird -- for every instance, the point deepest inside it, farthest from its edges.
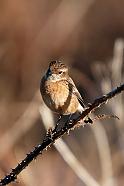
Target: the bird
(59, 91)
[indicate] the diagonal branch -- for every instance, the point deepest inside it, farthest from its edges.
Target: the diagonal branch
(52, 135)
(66, 152)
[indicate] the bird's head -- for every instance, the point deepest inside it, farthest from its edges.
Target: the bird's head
(57, 71)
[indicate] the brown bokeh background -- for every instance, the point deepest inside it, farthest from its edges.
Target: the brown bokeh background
(84, 35)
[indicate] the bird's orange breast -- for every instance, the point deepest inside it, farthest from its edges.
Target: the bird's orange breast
(59, 97)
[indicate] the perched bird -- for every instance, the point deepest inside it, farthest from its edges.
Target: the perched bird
(59, 91)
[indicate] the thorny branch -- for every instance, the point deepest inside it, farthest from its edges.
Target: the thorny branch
(52, 135)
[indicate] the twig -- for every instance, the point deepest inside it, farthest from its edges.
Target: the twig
(53, 135)
(66, 153)
(101, 141)
(108, 75)
(104, 154)
(20, 127)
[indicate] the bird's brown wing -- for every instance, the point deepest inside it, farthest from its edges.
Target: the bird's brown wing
(76, 92)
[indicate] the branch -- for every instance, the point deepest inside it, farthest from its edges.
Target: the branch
(66, 152)
(52, 135)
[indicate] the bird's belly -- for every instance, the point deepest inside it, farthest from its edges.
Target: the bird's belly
(59, 99)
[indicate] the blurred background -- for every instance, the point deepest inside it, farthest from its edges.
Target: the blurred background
(88, 36)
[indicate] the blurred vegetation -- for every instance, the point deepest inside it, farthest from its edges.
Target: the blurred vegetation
(84, 34)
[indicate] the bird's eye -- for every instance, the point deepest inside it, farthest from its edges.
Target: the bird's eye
(60, 72)
(49, 72)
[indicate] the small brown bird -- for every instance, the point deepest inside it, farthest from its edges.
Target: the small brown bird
(59, 91)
